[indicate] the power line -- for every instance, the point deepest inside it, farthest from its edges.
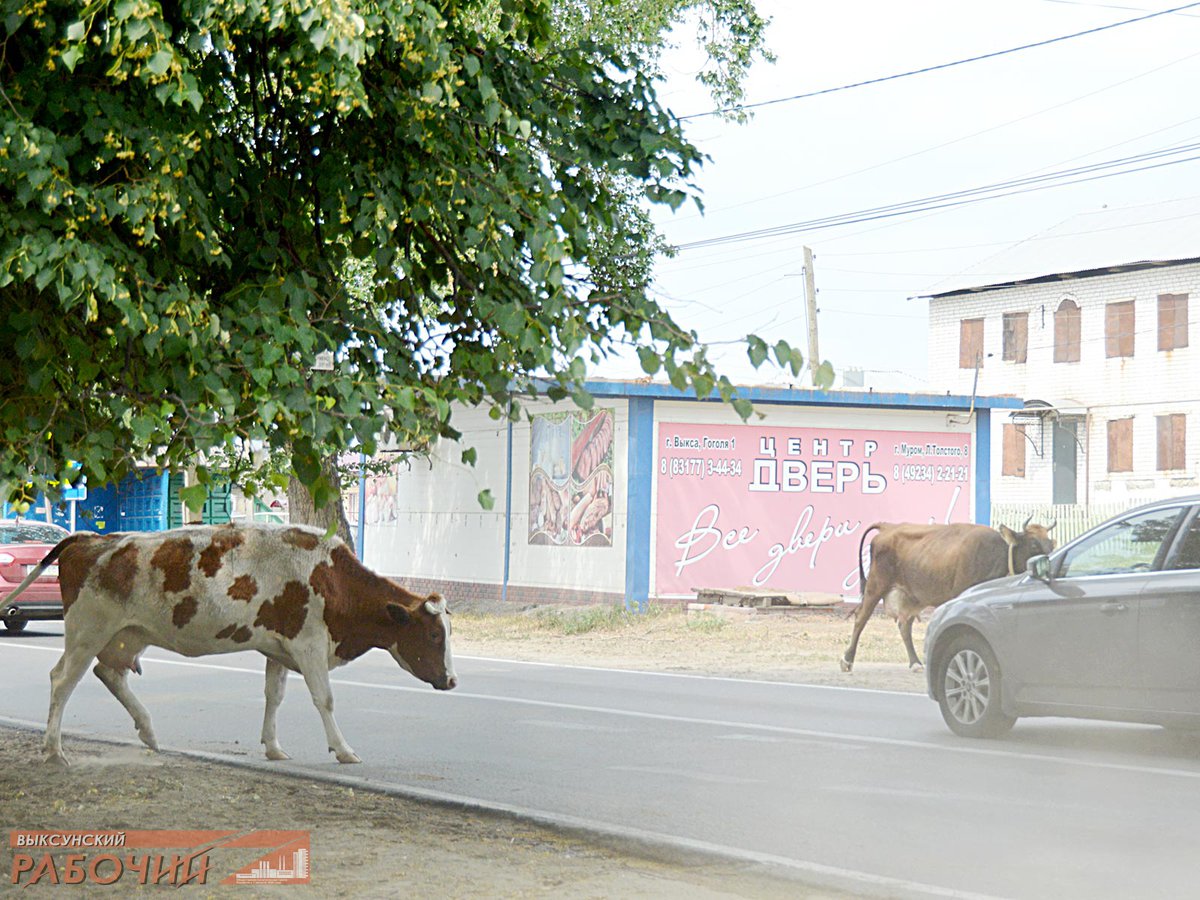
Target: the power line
(934, 68)
(1126, 165)
(976, 134)
(1101, 5)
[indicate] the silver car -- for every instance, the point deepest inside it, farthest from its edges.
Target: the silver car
(1106, 627)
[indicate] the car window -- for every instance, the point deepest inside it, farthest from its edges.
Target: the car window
(1188, 554)
(1130, 545)
(30, 533)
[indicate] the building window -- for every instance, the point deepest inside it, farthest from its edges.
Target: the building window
(1066, 332)
(1172, 321)
(1172, 442)
(1016, 337)
(1118, 329)
(1014, 451)
(1120, 445)
(970, 343)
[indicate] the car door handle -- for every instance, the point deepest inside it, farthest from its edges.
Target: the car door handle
(1110, 609)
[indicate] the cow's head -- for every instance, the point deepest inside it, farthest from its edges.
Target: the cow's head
(1032, 540)
(422, 644)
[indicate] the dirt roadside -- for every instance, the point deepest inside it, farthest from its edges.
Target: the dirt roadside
(366, 844)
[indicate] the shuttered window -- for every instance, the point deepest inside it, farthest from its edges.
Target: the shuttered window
(1118, 329)
(970, 343)
(1016, 337)
(1172, 321)
(1066, 332)
(1172, 441)
(1013, 462)
(1120, 445)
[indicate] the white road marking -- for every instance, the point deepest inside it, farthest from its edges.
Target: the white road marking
(958, 746)
(841, 746)
(687, 774)
(646, 672)
(569, 726)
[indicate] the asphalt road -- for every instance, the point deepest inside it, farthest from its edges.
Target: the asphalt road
(865, 790)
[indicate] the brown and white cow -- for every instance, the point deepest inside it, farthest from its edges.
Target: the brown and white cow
(918, 566)
(300, 599)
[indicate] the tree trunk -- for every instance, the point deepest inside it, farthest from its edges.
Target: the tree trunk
(302, 510)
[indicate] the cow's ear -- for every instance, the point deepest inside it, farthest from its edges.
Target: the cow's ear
(1007, 533)
(399, 614)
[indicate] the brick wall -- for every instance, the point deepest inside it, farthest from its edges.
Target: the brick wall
(474, 591)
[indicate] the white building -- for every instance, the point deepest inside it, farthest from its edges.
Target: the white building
(1093, 324)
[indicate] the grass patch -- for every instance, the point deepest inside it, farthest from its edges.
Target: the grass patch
(705, 623)
(594, 618)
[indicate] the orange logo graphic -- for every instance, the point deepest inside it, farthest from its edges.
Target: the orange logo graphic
(160, 857)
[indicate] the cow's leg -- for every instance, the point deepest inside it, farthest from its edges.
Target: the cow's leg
(276, 683)
(315, 669)
(78, 655)
(905, 622)
(117, 681)
(870, 599)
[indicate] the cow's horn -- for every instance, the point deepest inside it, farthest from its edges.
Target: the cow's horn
(435, 609)
(1053, 522)
(1026, 524)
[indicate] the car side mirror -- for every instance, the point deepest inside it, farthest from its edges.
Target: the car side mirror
(1039, 567)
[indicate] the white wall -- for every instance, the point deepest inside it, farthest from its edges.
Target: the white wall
(1148, 384)
(441, 531)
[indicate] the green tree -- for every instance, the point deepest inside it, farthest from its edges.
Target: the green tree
(198, 199)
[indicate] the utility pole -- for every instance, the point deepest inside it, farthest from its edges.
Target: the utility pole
(810, 298)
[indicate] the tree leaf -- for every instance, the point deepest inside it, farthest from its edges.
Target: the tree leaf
(194, 497)
(651, 361)
(159, 62)
(756, 349)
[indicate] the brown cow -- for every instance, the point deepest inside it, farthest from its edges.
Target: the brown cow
(917, 566)
(299, 598)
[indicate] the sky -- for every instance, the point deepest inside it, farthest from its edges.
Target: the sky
(1092, 99)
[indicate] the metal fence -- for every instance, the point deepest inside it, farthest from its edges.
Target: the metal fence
(1070, 520)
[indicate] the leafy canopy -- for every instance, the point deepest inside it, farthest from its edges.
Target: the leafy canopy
(198, 199)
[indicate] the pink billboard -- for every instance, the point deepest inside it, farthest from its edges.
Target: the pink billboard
(745, 506)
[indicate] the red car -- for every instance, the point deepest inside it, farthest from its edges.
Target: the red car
(23, 544)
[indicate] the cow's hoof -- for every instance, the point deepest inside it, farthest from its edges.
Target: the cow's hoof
(276, 754)
(916, 667)
(148, 738)
(348, 756)
(846, 666)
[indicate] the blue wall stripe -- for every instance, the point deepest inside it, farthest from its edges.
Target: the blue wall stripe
(637, 505)
(983, 466)
(508, 491)
(807, 397)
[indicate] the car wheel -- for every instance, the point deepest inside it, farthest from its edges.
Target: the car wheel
(15, 625)
(970, 689)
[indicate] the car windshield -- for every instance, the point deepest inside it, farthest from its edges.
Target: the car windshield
(30, 533)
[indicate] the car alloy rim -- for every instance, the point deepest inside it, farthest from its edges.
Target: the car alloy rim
(968, 687)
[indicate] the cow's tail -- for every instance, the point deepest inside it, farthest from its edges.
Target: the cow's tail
(862, 574)
(36, 572)
(862, 571)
